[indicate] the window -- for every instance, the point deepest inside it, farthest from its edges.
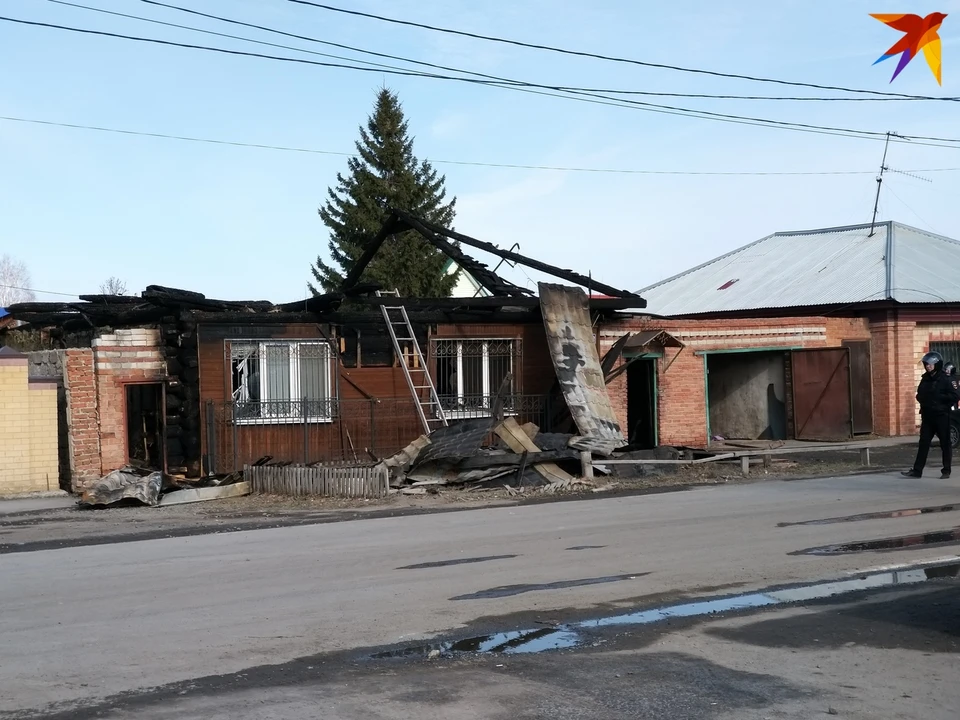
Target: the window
(949, 351)
(282, 381)
(470, 372)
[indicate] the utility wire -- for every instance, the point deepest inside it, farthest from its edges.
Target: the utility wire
(468, 72)
(516, 166)
(609, 58)
(619, 102)
(39, 292)
(226, 35)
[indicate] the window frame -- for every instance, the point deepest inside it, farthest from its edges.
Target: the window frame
(487, 391)
(293, 347)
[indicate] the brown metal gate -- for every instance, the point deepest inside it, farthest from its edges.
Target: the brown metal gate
(861, 385)
(821, 394)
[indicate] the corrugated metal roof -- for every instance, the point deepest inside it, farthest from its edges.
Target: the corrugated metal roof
(573, 350)
(817, 267)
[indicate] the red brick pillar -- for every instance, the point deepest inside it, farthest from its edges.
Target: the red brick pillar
(83, 422)
(894, 377)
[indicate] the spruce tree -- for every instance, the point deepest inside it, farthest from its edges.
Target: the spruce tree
(386, 175)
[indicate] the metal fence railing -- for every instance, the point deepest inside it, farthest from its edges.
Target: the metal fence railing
(354, 431)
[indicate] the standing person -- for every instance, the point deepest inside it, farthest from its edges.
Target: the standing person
(936, 395)
(950, 370)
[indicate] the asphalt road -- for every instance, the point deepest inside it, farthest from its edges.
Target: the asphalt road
(201, 626)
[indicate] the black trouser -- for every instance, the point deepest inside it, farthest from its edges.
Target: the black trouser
(934, 425)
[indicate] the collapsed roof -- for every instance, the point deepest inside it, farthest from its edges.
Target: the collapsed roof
(157, 302)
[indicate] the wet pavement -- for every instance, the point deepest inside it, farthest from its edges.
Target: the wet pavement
(682, 605)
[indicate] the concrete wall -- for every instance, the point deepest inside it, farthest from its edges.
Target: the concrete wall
(746, 393)
(28, 430)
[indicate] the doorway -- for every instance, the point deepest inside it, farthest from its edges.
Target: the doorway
(746, 394)
(144, 407)
(642, 403)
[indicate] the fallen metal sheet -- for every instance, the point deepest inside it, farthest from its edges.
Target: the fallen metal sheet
(121, 485)
(179, 497)
(459, 440)
(566, 318)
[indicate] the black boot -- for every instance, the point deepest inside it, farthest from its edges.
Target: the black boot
(911, 473)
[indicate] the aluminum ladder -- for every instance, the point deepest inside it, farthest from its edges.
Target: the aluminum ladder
(418, 378)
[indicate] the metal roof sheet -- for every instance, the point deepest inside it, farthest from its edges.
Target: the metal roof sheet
(817, 267)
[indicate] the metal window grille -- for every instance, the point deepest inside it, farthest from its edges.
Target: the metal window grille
(949, 351)
(282, 381)
(469, 373)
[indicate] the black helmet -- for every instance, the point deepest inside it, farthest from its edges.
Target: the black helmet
(950, 368)
(933, 358)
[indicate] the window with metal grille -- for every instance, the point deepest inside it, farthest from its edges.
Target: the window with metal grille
(469, 373)
(282, 381)
(949, 351)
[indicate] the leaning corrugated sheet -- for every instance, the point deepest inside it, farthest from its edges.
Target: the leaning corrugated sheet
(818, 267)
(566, 317)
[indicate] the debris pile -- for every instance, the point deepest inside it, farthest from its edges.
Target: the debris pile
(132, 485)
(484, 453)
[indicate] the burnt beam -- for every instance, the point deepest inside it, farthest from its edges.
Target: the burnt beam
(562, 273)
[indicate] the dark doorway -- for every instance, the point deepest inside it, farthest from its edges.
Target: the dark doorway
(145, 425)
(860, 385)
(746, 395)
(642, 403)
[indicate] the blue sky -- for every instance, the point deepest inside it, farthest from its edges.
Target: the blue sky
(240, 223)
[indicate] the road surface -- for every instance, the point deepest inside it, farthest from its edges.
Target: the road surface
(151, 625)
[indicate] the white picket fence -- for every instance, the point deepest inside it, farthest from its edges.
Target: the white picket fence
(359, 481)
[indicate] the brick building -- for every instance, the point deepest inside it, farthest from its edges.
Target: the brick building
(191, 385)
(810, 335)
(28, 428)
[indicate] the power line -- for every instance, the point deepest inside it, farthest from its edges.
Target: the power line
(516, 166)
(609, 58)
(498, 79)
(619, 102)
(39, 292)
(467, 72)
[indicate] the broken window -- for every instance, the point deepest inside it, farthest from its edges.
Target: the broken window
(282, 381)
(469, 374)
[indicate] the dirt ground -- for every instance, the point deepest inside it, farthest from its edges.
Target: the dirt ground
(71, 526)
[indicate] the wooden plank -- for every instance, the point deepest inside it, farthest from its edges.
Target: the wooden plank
(192, 495)
(516, 439)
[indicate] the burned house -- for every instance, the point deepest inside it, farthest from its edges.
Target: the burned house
(190, 385)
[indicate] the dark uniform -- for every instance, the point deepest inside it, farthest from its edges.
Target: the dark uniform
(936, 394)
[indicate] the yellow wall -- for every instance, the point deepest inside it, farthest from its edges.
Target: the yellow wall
(28, 431)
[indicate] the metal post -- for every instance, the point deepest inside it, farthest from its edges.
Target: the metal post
(211, 459)
(306, 442)
(745, 465)
(373, 426)
(233, 415)
(865, 456)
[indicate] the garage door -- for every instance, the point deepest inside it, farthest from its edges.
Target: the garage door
(821, 394)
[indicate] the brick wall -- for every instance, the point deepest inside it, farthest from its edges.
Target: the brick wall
(83, 421)
(123, 357)
(28, 430)
(681, 397)
(96, 380)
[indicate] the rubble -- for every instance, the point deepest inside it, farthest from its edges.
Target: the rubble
(144, 486)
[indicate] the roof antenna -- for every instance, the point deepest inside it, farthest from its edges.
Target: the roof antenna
(883, 167)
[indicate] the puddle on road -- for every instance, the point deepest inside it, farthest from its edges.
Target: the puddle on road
(875, 515)
(456, 561)
(510, 590)
(936, 537)
(585, 547)
(572, 635)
